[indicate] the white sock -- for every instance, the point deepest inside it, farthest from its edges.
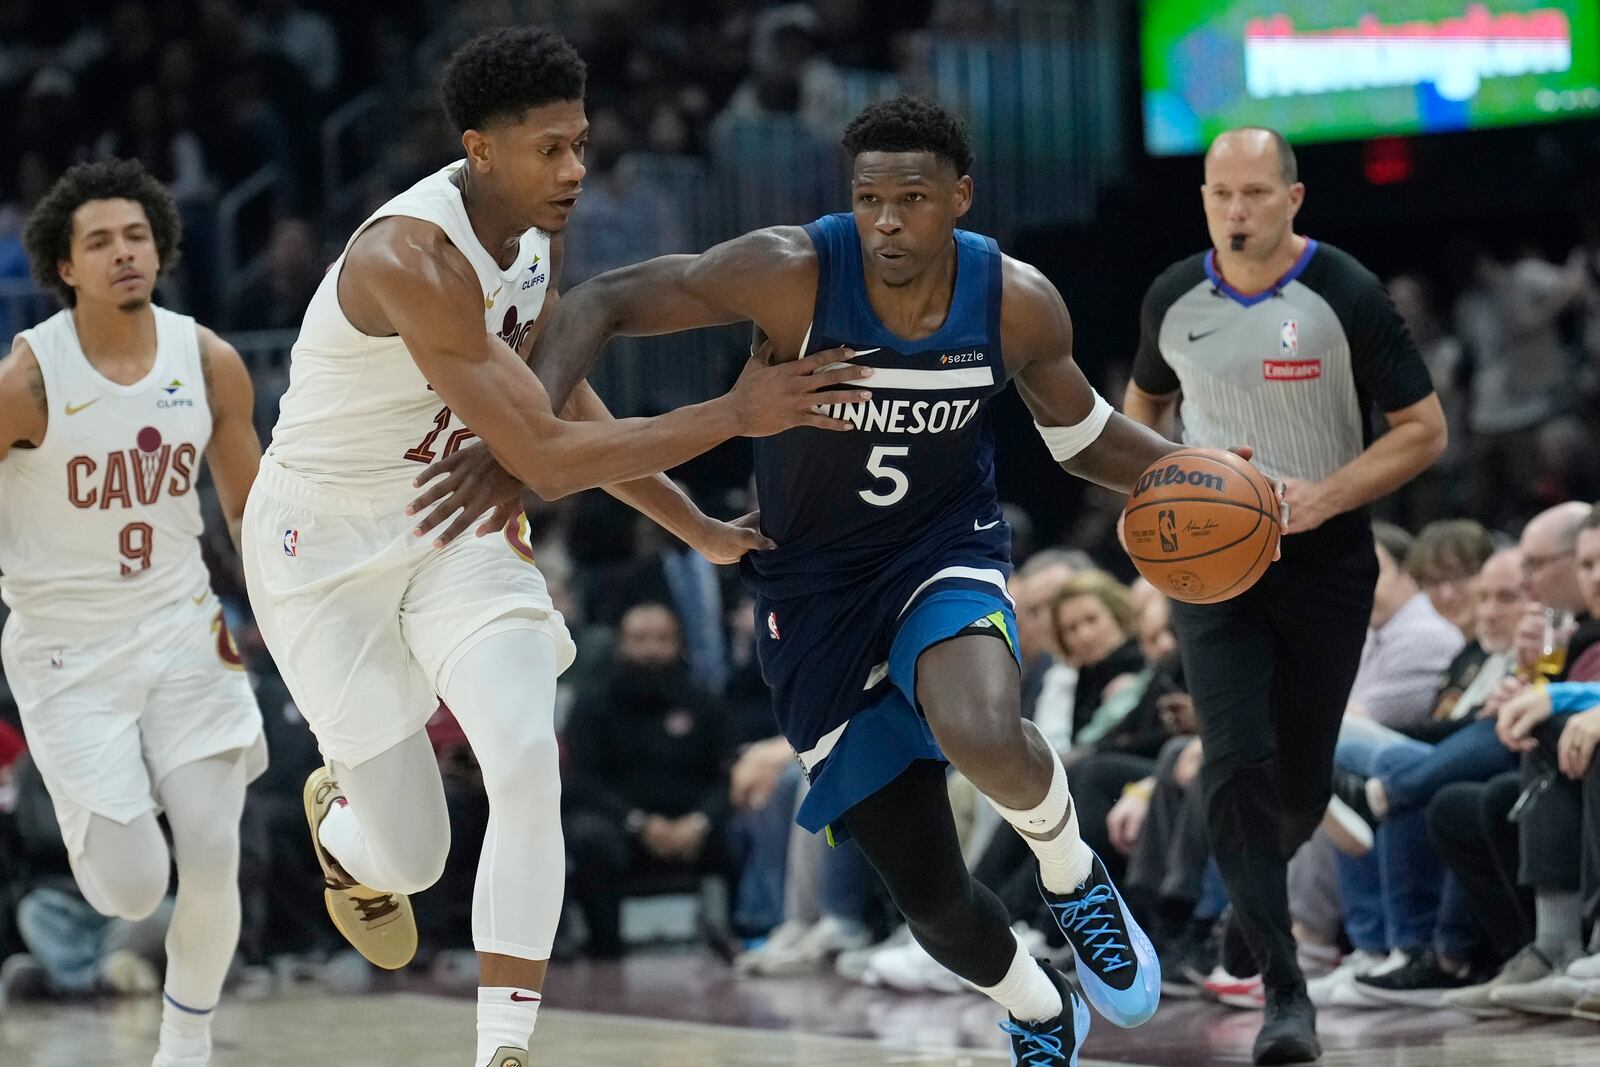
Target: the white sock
(341, 834)
(184, 1031)
(1064, 860)
(1026, 991)
(506, 1015)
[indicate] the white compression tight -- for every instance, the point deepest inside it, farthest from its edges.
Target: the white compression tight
(395, 834)
(123, 872)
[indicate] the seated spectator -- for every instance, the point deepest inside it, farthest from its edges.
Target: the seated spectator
(1470, 821)
(1093, 618)
(647, 784)
(1408, 645)
(1406, 776)
(72, 949)
(1562, 784)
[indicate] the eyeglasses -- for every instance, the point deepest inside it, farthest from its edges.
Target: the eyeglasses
(1530, 564)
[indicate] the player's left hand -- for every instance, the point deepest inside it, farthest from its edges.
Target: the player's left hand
(1308, 505)
(727, 542)
(1247, 453)
(1578, 739)
(466, 484)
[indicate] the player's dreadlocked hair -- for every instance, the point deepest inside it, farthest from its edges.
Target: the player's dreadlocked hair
(910, 124)
(497, 76)
(47, 237)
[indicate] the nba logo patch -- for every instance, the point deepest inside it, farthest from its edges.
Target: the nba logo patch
(1289, 339)
(291, 542)
(58, 658)
(772, 625)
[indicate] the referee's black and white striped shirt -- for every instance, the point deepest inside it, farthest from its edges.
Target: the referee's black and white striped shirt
(1294, 370)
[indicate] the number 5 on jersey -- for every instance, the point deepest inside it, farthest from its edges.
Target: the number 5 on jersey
(899, 484)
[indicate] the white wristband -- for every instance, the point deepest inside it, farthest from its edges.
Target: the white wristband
(1065, 442)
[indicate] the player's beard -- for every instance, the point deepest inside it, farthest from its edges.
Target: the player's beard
(138, 303)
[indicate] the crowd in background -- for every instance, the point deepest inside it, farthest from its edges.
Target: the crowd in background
(1420, 889)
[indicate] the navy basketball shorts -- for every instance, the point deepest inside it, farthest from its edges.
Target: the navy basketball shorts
(843, 668)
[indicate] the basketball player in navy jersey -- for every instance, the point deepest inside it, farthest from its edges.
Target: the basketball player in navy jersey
(885, 629)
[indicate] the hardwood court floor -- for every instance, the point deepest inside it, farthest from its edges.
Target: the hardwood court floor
(406, 1029)
(687, 1010)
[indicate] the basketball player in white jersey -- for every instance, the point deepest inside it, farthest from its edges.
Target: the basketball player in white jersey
(131, 692)
(419, 331)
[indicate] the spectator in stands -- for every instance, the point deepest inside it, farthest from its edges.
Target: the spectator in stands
(625, 218)
(293, 272)
(72, 949)
(1469, 820)
(305, 38)
(1094, 617)
(1521, 374)
(1558, 751)
(672, 573)
(1406, 776)
(148, 131)
(1408, 646)
(646, 789)
(1436, 492)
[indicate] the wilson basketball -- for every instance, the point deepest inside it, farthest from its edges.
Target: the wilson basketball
(1202, 525)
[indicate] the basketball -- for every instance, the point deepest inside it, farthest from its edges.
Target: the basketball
(1202, 525)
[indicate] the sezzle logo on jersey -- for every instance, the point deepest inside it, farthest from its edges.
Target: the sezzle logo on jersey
(138, 473)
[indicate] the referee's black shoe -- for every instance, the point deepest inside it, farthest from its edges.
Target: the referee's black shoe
(1289, 1029)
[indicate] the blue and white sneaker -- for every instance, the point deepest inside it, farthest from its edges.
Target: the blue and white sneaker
(1054, 1042)
(1117, 964)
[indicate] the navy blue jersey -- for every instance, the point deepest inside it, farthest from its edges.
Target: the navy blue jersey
(916, 476)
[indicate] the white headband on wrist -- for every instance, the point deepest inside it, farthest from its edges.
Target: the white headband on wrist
(1065, 442)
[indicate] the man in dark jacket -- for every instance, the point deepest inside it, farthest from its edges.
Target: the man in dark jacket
(646, 786)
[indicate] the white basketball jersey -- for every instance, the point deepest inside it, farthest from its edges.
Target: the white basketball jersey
(359, 416)
(100, 523)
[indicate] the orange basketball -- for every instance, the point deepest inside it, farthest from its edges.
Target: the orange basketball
(1202, 525)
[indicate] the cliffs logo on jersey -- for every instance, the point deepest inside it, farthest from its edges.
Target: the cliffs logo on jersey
(133, 475)
(535, 276)
(512, 331)
(172, 399)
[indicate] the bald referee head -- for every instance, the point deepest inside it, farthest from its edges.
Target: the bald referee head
(1252, 193)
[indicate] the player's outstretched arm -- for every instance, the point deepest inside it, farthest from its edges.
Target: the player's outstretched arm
(427, 291)
(1084, 436)
(753, 277)
(234, 453)
(24, 409)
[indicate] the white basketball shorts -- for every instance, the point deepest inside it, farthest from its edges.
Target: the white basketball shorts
(364, 619)
(109, 714)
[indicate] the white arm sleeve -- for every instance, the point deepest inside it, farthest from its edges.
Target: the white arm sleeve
(1065, 442)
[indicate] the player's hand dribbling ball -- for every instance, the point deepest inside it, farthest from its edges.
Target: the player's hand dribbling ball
(1202, 525)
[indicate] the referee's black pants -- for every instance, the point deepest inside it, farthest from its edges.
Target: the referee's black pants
(1270, 673)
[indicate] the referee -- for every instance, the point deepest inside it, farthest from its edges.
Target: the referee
(1276, 340)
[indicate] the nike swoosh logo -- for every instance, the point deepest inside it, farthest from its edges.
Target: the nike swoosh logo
(980, 526)
(201, 599)
(522, 1000)
(1196, 336)
(73, 409)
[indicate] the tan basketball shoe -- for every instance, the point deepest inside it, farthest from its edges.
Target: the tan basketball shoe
(379, 925)
(506, 1056)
